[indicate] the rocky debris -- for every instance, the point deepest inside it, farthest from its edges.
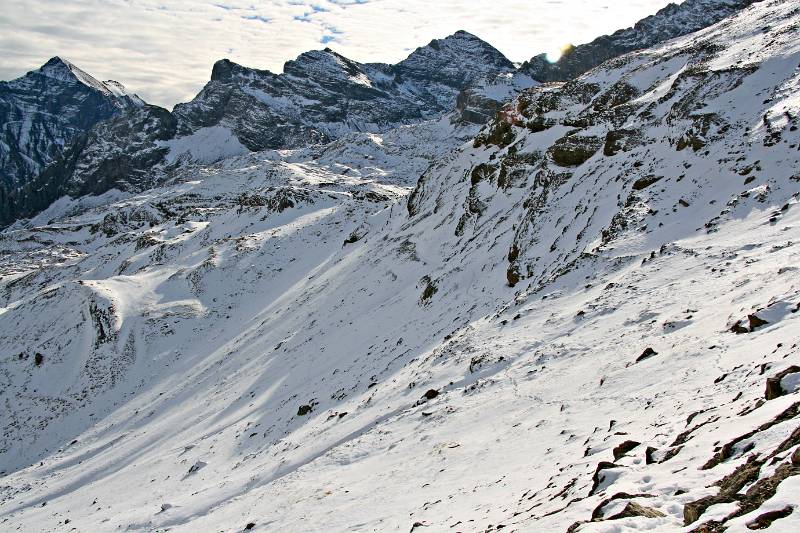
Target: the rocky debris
(574, 150)
(633, 509)
(747, 474)
(429, 289)
(598, 475)
(760, 491)
(729, 486)
(765, 520)
(304, 409)
(646, 354)
(646, 181)
(500, 132)
(753, 321)
(621, 450)
(196, 467)
(430, 394)
(774, 389)
(727, 450)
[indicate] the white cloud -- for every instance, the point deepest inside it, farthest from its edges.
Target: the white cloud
(164, 50)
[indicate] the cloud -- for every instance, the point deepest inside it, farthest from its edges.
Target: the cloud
(164, 49)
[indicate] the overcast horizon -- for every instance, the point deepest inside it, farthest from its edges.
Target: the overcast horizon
(164, 51)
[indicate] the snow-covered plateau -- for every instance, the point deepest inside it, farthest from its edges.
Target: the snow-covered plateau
(580, 317)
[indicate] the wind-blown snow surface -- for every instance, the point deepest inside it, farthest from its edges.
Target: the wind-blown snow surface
(276, 340)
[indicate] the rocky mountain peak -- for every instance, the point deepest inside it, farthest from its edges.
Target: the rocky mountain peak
(225, 70)
(460, 50)
(444, 67)
(323, 64)
(44, 110)
(62, 70)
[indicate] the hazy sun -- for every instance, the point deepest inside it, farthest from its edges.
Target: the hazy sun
(557, 51)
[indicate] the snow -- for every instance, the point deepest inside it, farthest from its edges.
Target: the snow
(184, 329)
(206, 145)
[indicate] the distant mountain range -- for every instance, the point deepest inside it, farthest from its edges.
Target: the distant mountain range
(64, 133)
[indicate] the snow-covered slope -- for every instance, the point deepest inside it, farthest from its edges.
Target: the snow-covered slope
(674, 20)
(290, 341)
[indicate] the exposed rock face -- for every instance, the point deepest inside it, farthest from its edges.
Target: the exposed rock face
(120, 153)
(55, 134)
(439, 71)
(322, 95)
(673, 21)
(43, 111)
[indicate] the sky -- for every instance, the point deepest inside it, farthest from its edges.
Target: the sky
(164, 50)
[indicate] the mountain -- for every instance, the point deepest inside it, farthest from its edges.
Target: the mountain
(43, 111)
(124, 144)
(675, 20)
(124, 152)
(582, 319)
(322, 95)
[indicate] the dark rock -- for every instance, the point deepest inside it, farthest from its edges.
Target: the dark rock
(250, 525)
(429, 290)
(643, 183)
(756, 322)
(765, 520)
(431, 394)
(597, 478)
(574, 150)
(38, 359)
(739, 329)
(615, 141)
(634, 509)
(774, 388)
(303, 410)
(648, 455)
(512, 276)
(499, 134)
(624, 448)
(646, 354)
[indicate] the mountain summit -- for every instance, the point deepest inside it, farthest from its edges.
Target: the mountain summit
(44, 110)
